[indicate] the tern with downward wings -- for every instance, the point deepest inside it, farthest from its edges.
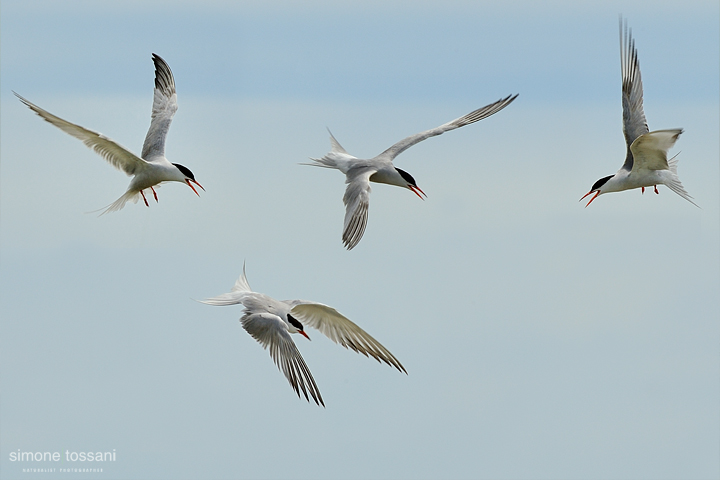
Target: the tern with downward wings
(272, 322)
(359, 173)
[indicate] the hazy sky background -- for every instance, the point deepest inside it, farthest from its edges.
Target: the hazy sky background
(541, 339)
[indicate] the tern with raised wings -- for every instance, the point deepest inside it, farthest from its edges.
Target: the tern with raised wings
(151, 167)
(646, 162)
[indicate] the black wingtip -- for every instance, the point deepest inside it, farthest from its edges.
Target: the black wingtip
(164, 80)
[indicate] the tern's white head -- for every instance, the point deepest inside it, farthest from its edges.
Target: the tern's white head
(188, 177)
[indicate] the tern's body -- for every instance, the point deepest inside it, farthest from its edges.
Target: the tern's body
(359, 172)
(271, 322)
(152, 168)
(646, 163)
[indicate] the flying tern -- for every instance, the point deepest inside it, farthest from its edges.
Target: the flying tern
(151, 168)
(646, 163)
(359, 172)
(271, 322)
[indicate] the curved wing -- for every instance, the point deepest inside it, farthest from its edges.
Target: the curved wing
(634, 122)
(650, 150)
(164, 108)
(357, 203)
(271, 332)
(471, 117)
(115, 154)
(342, 330)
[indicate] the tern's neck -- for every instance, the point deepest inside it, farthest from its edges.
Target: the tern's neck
(389, 176)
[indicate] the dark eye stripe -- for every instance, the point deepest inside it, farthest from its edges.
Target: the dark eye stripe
(601, 182)
(293, 321)
(185, 171)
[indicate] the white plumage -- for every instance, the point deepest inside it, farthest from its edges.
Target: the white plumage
(152, 168)
(271, 322)
(646, 163)
(380, 169)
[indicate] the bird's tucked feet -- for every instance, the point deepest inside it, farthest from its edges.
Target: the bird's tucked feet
(144, 199)
(154, 194)
(642, 189)
(656, 192)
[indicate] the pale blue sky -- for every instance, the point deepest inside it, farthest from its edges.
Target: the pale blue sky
(541, 339)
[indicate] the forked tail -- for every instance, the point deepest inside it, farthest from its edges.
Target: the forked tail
(118, 204)
(235, 296)
(673, 181)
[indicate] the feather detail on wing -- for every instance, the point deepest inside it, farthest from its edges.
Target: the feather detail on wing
(650, 150)
(164, 108)
(357, 203)
(115, 154)
(343, 331)
(271, 332)
(471, 117)
(634, 122)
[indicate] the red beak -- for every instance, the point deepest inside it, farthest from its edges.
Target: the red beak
(597, 192)
(415, 190)
(187, 180)
(302, 332)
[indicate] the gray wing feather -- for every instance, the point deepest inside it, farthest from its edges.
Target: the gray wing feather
(471, 117)
(343, 331)
(634, 122)
(114, 153)
(164, 108)
(271, 332)
(357, 203)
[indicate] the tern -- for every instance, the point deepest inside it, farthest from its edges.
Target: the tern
(271, 322)
(151, 168)
(646, 163)
(359, 173)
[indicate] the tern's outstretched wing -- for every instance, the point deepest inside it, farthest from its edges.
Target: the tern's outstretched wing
(471, 117)
(164, 108)
(357, 202)
(115, 154)
(634, 122)
(271, 332)
(342, 330)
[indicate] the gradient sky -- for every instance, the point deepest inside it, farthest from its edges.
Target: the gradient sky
(541, 339)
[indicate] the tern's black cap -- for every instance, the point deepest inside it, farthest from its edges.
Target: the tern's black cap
(601, 182)
(407, 177)
(185, 171)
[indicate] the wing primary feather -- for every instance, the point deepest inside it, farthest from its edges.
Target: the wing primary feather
(113, 153)
(472, 117)
(343, 331)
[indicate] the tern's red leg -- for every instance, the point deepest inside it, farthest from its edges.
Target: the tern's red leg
(643, 189)
(143, 195)
(655, 187)
(154, 194)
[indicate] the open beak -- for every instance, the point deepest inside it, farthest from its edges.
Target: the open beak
(597, 192)
(187, 180)
(415, 190)
(302, 332)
